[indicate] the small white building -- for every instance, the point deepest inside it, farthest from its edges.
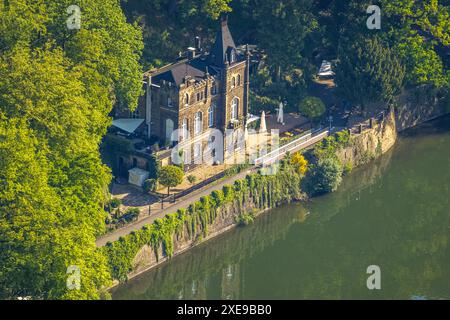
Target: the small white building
(137, 176)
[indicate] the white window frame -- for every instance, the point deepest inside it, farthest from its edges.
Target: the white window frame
(184, 129)
(198, 122)
(235, 108)
(211, 116)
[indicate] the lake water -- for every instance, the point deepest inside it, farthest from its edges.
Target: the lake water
(393, 213)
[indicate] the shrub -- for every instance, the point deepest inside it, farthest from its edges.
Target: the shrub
(325, 176)
(245, 219)
(299, 162)
(312, 107)
(115, 203)
(130, 215)
(153, 167)
(228, 193)
(150, 185)
(348, 167)
(342, 137)
(191, 179)
(218, 198)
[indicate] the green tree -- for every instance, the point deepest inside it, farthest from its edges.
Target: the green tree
(312, 107)
(325, 176)
(154, 167)
(368, 71)
(57, 88)
(423, 64)
(171, 176)
(420, 32)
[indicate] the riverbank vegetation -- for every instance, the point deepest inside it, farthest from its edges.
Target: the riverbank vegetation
(57, 88)
(245, 197)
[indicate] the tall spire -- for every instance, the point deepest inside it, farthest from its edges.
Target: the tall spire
(224, 43)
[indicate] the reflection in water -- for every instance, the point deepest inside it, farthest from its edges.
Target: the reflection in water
(393, 213)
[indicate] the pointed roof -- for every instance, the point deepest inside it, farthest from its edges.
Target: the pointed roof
(224, 41)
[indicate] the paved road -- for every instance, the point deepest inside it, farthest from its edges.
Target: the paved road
(188, 199)
(172, 208)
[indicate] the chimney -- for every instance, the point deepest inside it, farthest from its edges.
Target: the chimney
(198, 44)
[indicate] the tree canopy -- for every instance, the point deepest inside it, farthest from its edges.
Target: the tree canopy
(57, 87)
(368, 71)
(171, 176)
(312, 107)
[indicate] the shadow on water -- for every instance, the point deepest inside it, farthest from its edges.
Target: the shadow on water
(393, 212)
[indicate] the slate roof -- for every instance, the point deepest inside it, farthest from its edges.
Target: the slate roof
(224, 41)
(175, 73)
(197, 67)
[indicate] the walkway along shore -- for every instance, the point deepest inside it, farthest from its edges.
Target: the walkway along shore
(196, 195)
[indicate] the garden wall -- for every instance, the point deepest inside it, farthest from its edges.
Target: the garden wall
(371, 142)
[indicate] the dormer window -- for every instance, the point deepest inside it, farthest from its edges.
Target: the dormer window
(169, 102)
(186, 99)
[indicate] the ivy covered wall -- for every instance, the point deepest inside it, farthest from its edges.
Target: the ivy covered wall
(234, 204)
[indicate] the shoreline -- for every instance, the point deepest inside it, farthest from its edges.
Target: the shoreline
(386, 131)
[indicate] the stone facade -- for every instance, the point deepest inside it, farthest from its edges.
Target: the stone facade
(197, 93)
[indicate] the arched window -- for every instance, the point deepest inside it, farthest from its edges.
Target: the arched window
(234, 108)
(233, 82)
(184, 129)
(186, 99)
(238, 79)
(211, 116)
(169, 102)
(198, 123)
